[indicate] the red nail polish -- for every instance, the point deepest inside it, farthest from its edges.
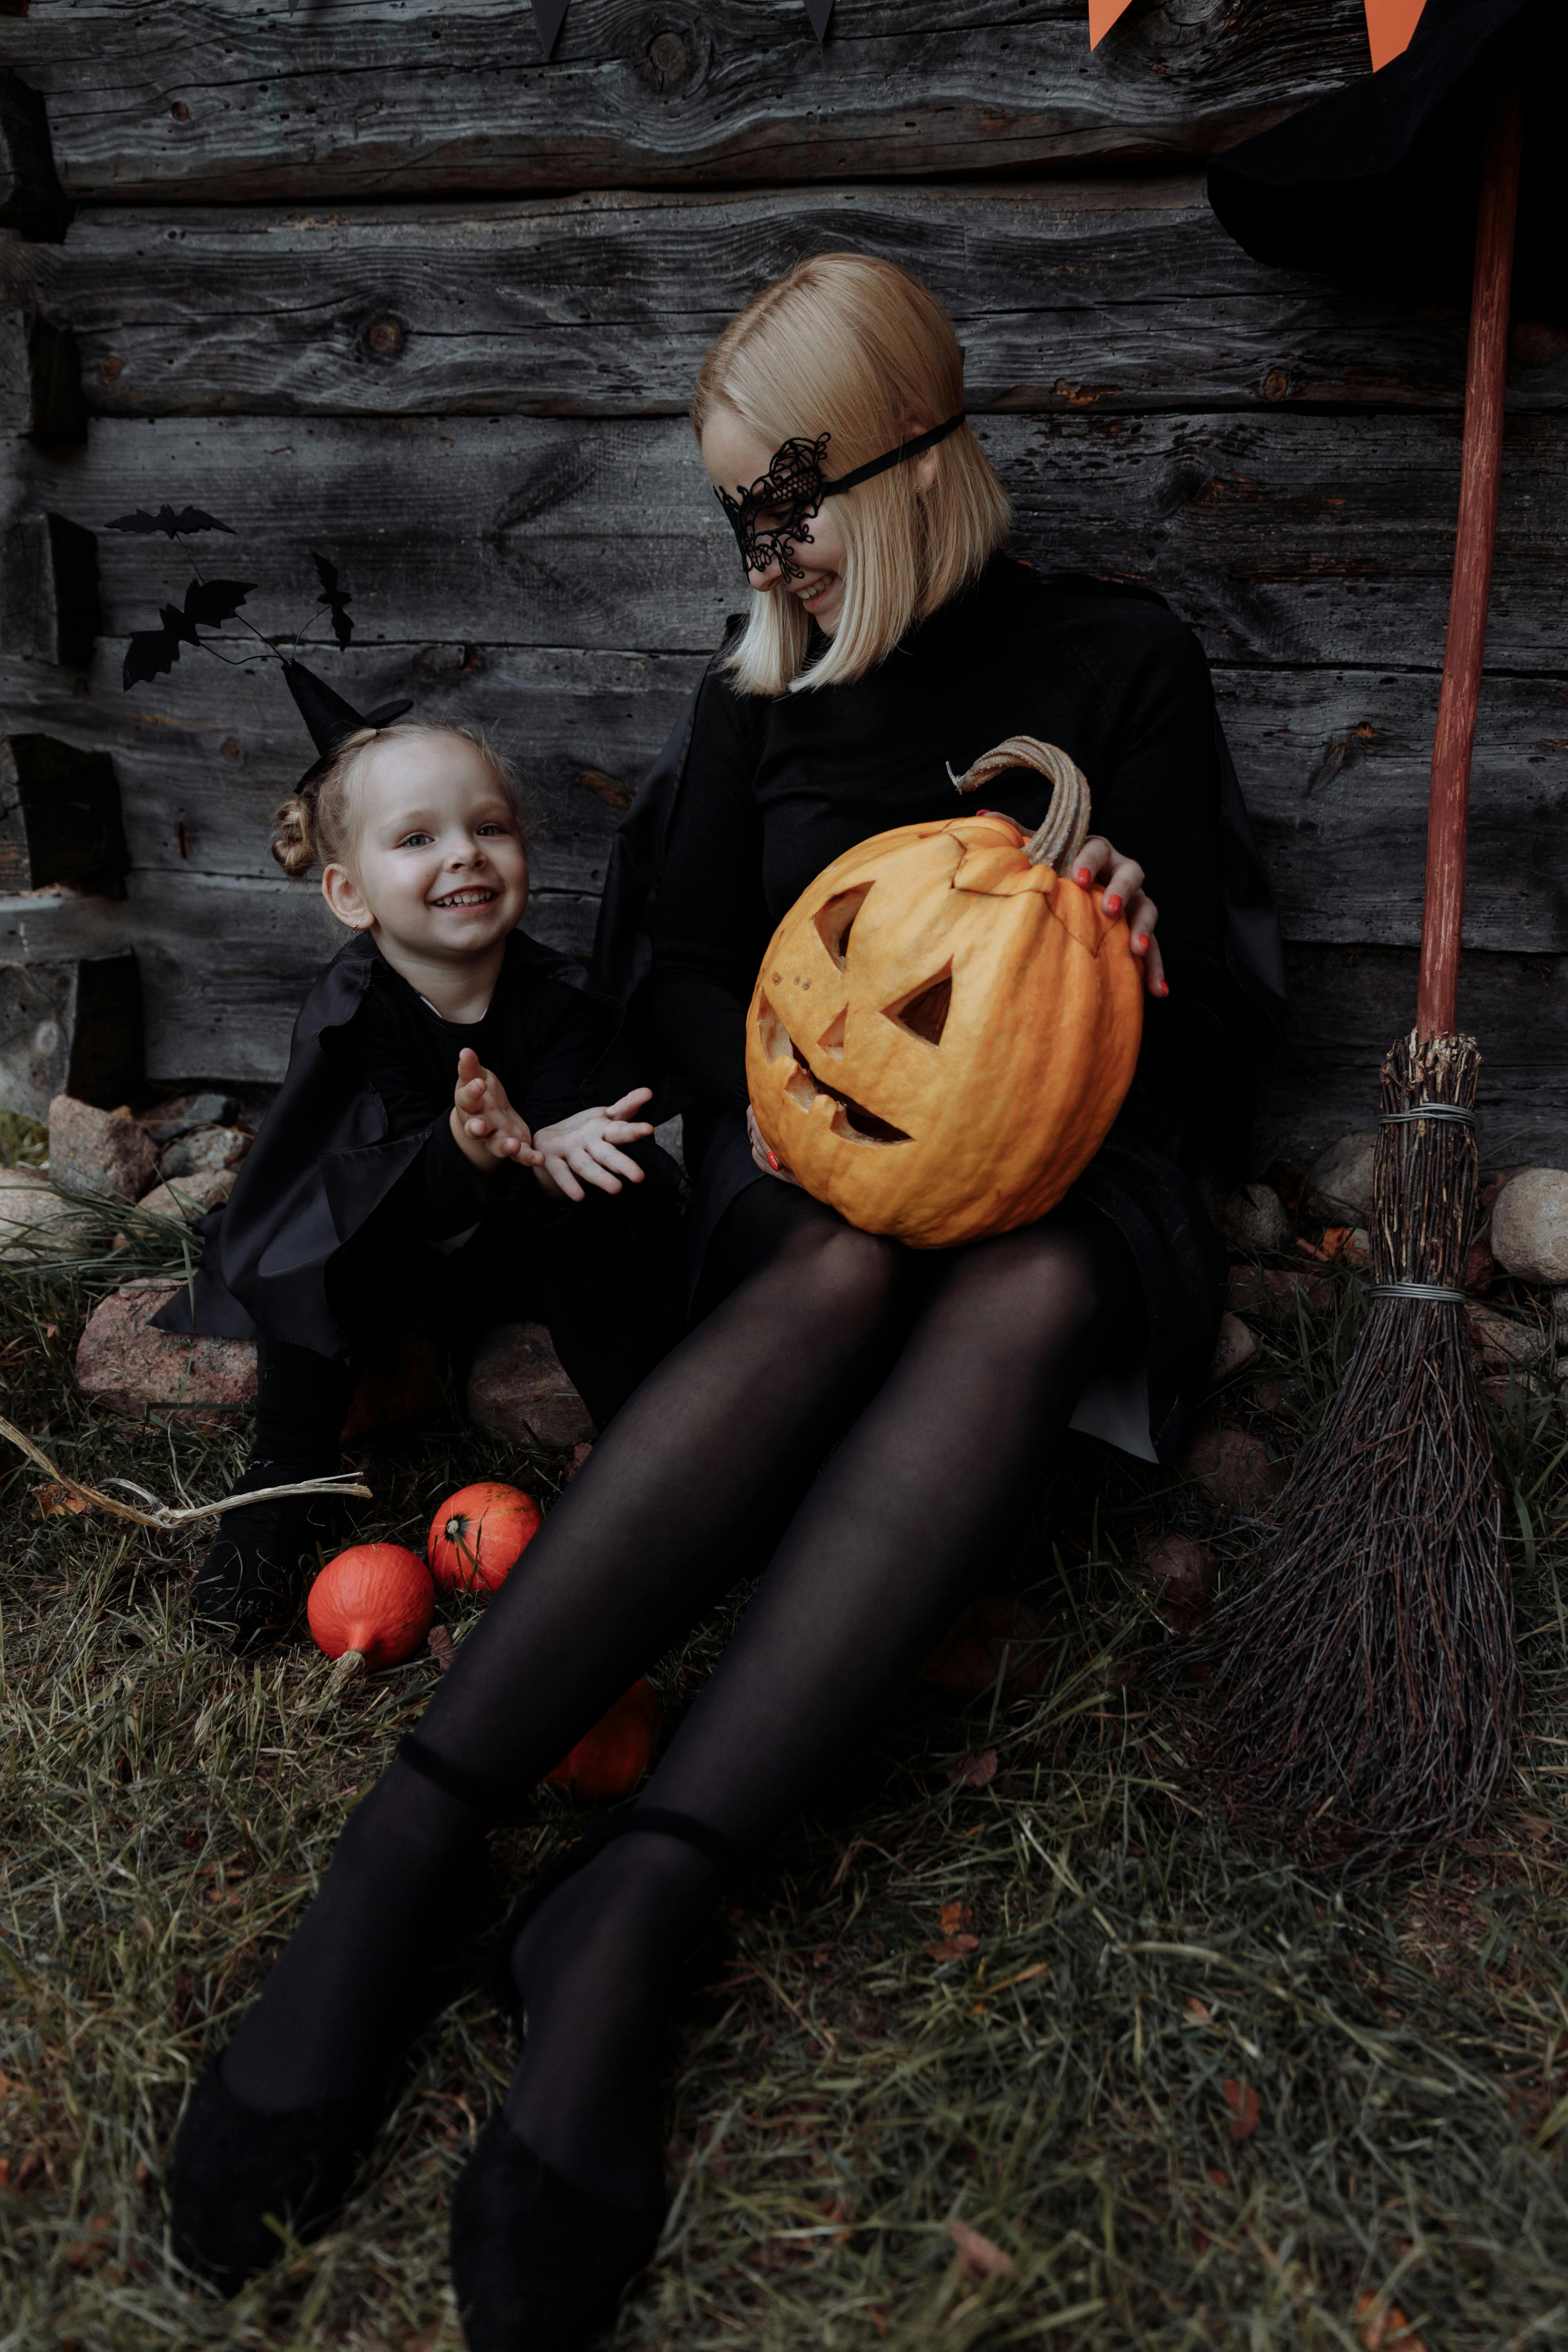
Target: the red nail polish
(1164, 988)
(1143, 939)
(773, 1163)
(1084, 875)
(1113, 904)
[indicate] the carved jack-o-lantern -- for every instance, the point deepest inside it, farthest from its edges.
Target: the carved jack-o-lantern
(943, 1028)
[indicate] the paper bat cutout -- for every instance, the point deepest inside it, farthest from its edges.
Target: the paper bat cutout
(1389, 24)
(172, 524)
(334, 598)
(151, 652)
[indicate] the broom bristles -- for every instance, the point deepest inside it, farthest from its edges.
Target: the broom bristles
(1364, 1689)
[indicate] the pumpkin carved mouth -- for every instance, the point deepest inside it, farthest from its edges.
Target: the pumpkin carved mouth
(851, 1120)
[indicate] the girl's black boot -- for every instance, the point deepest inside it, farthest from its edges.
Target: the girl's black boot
(251, 1585)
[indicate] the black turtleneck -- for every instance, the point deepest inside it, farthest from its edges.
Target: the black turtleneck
(777, 788)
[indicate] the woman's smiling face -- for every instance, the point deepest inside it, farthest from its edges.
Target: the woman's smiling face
(736, 457)
(438, 863)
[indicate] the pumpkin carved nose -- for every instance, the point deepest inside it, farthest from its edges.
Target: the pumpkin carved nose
(925, 1012)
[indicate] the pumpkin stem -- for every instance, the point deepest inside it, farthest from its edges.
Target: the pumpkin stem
(1066, 828)
(348, 1669)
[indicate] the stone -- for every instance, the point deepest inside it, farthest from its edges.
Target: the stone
(1503, 1342)
(1236, 1345)
(1253, 1219)
(1529, 1225)
(1559, 1315)
(1234, 1469)
(518, 1387)
(188, 1111)
(995, 1636)
(1181, 1577)
(1271, 1294)
(1339, 1181)
(190, 1197)
(122, 1363)
(99, 1151)
(34, 1221)
(204, 1150)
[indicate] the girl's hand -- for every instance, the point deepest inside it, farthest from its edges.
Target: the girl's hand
(487, 1128)
(769, 1161)
(584, 1146)
(1124, 894)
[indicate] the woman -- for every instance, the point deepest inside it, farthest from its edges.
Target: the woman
(865, 1419)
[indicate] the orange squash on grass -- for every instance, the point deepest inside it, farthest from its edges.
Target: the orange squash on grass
(946, 1024)
(372, 1606)
(608, 1762)
(480, 1533)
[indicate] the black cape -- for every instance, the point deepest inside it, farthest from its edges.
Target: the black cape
(325, 1159)
(1378, 183)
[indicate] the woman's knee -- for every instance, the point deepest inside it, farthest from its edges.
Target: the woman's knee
(844, 1277)
(1061, 1277)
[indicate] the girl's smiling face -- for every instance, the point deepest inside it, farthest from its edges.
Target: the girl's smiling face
(736, 457)
(439, 868)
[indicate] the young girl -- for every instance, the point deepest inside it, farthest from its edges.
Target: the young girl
(433, 1151)
(867, 1419)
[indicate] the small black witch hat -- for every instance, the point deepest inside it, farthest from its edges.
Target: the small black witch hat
(1377, 184)
(330, 718)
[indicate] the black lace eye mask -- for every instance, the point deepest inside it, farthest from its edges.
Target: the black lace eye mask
(770, 520)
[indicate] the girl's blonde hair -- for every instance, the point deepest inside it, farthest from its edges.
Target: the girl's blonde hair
(857, 348)
(316, 823)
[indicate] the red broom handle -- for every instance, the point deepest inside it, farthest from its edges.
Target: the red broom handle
(1485, 385)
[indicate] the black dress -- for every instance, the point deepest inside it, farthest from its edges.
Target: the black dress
(756, 795)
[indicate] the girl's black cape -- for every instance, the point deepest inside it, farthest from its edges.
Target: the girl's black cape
(324, 1160)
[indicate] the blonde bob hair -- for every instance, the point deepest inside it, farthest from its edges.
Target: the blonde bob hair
(857, 348)
(316, 824)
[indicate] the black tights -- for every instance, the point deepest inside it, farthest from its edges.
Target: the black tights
(942, 1383)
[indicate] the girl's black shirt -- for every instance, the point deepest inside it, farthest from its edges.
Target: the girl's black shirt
(542, 1045)
(776, 789)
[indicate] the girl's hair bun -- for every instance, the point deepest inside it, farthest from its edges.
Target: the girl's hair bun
(294, 843)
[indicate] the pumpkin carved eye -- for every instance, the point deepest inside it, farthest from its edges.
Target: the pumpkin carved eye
(924, 1013)
(836, 921)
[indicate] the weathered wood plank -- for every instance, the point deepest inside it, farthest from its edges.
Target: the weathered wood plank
(1347, 1008)
(1067, 295)
(1334, 765)
(1282, 538)
(231, 100)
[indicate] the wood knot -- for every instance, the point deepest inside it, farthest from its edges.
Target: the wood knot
(384, 338)
(667, 58)
(180, 111)
(1276, 384)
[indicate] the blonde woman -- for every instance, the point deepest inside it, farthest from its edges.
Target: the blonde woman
(862, 1421)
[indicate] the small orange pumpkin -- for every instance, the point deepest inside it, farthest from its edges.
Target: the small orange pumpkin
(944, 1027)
(480, 1533)
(609, 1760)
(372, 1606)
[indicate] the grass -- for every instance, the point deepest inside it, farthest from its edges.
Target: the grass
(1190, 2096)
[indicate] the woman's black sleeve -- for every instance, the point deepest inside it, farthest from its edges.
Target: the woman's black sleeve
(711, 923)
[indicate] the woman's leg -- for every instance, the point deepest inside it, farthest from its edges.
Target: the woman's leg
(684, 1493)
(890, 1538)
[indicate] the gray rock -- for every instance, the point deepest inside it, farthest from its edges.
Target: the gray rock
(1529, 1225)
(1253, 1219)
(190, 1197)
(1504, 1342)
(123, 1363)
(99, 1151)
(1235, 1470)
(34, 1221)
(516, 1386)
(194, 1111)
(1559, 1315)
(1339, 1181)
(201, 1151)
(1236, 1345)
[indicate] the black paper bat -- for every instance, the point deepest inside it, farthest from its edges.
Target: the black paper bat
(169, 522)
(334, 598)
(151, 652)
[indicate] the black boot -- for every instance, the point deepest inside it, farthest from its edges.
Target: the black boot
(539, 2264)
(250, 1588)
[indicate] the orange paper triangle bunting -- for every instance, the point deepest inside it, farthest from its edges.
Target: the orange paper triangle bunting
(1389, 24)
(1102, 14)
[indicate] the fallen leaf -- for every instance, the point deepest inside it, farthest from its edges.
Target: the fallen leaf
(973, 1771)
(1221, 2179)
(980, 2257)
(1199, 2009)
(1384, 2327)
(953, 1947)
(441, 1646)
(53, 1500)
(1242, 2101)
(953, 1917)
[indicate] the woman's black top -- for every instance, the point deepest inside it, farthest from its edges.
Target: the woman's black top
(772, 788)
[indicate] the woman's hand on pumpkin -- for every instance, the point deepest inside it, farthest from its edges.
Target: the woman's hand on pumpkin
(768, 1161)
(484, 1125)
(1123, 893)
(584, 1149)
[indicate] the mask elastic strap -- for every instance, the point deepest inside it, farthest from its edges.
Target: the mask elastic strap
(852, 482)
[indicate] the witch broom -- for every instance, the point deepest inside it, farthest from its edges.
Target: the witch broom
(1365, 1690)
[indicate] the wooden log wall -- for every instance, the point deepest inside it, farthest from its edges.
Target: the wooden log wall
(371, 276)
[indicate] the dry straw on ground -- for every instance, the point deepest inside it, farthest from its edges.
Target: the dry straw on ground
(1186, 2095)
